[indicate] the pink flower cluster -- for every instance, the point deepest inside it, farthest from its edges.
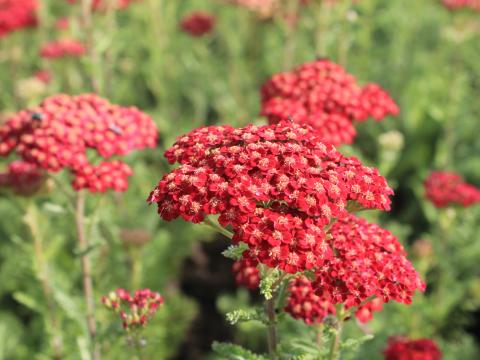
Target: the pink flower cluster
(323, 95)
(368, 262)
(60, 132)
(16, 15)
(23, 178)
(198, 23)
(401, 348)
(458, 4)
(246, 272)
(135, 310)
(444, 189)
(62, 48)
(277, 186)
(262, 8)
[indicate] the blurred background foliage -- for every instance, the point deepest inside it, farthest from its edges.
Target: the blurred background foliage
(424, 55)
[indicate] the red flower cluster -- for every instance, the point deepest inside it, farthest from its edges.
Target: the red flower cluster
(135, 311)
(16, 15)
(448, 188)
(368, 261)
(62, 48)
(278, 186)
(198, 23)
(59, 132)
(246, 272)
(23, 178)
(103, 5)
(400, 348)
(323, 95)
(44, 76)
(458, 4)
(304, 304)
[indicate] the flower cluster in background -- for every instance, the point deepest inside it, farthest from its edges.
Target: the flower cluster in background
(401, 348)
(458, 4)
(445, 188)
(135, 310)
(323, 95)
(23, 178)
(62, 48)
(198, 23)
(63, 129)
(16, 15)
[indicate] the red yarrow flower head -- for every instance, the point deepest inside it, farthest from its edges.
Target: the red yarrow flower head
(246, 272)
(135, 310)
(278, 186)
(401, 348)
(445, 188)
(59, 132)
(62, 48)
(44, 76)
(198, 23)
(23, 178)
(367, 262)
(364, 313)
(16, 15)
(323, 95)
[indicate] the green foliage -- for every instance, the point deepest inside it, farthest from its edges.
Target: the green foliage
(234, 352)
(235, 252)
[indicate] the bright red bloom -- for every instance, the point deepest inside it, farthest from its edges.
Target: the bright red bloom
(23, 178)
(198, 23)
(135, 310)
(323, 95)
(304, 304)
(59, 132)
(368, 261)
(16, 15)
(458, 4)
(246, 273)
(62, 48)
(278, 186)
(400, 348)
(448, 188)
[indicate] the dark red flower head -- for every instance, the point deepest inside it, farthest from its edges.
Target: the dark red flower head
(448, 188)
(198, 23)
(60, 132)
(367, 261)
(62, 48)
(278, 186)
(16, 15)
(23, 178)
(246, 272)
(401, 348)
(135, 310)
(323, 95)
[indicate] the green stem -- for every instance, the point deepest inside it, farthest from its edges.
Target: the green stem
(334, 353)
(271, 327)
(217, 227)
(83, 243)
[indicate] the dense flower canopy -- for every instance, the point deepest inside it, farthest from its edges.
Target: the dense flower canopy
(135, 310)
(368, 261)
(277, 186)
(198, 23)
(16, 15)
(445, 188)
(400, 348)
(60, 132)
(323, 95)
(62, 48)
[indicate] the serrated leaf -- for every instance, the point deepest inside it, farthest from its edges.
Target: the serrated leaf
(230, 351)
(235, 252)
